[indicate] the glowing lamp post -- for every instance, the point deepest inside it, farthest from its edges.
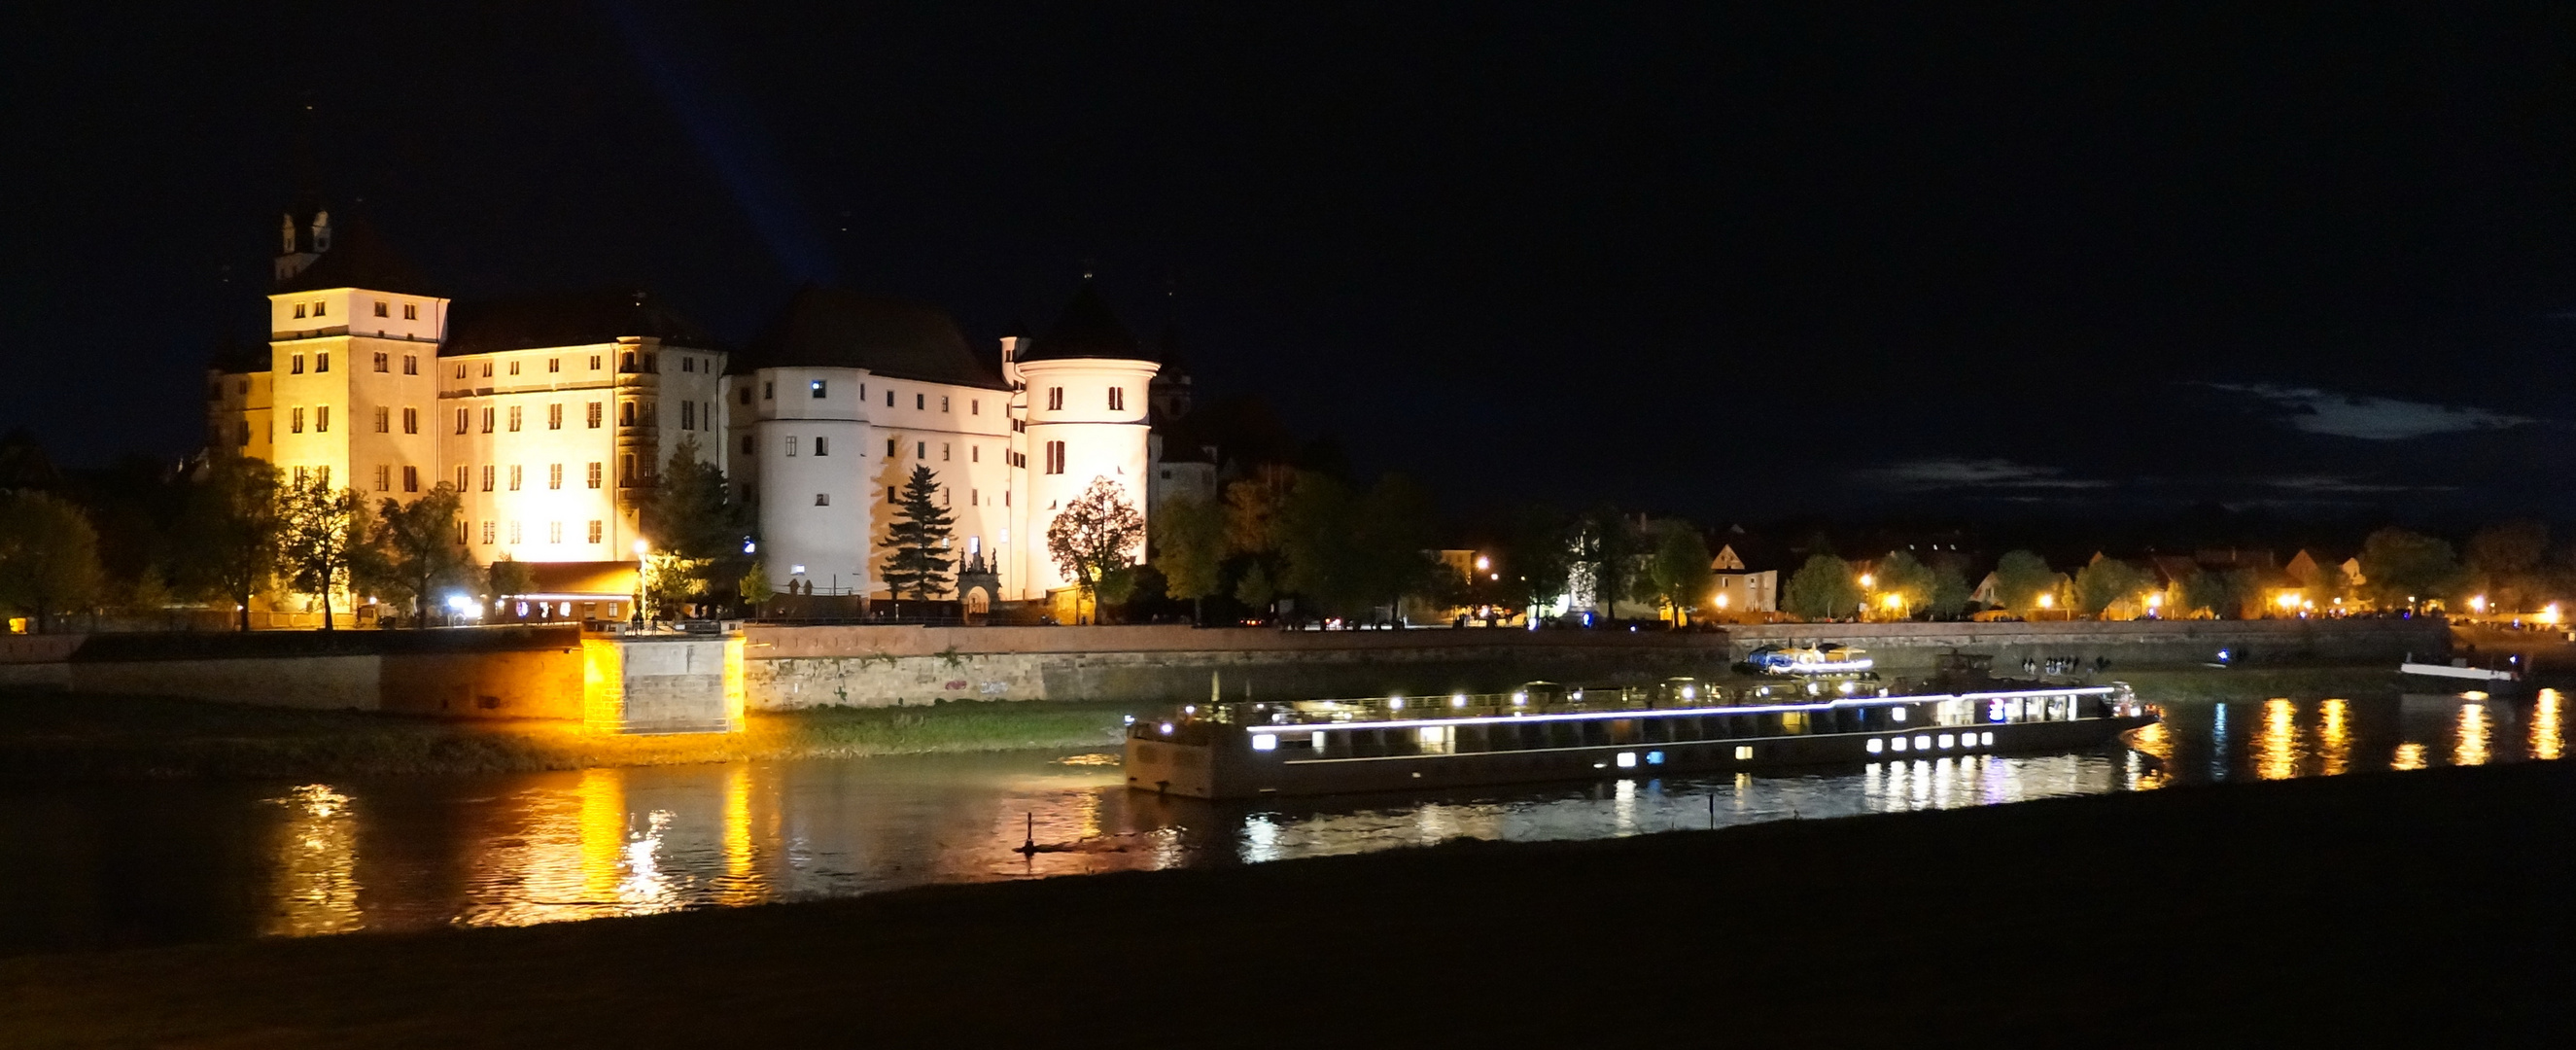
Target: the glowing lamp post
(641, 550)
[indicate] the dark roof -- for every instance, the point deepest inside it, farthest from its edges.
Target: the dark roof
(359, 258)
(838, 328)
(567, 319)
(1087, 329)
(239, 355)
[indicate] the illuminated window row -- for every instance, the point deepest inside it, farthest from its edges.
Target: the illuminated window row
(1920, 742)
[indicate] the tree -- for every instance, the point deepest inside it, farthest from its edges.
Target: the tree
(2206, 591)
(1677, 567)
(508, 576)
(1542, 553)
(2505, 561)
(917, 539)
(695, 530)
(2242, 591)
(48, 556)
(1949, 592)
(2021, 577)
(321, 531)
(418, 545)
(1316, 531)
(228, 533)
(1093, 535)
(1822, 589)
(1255, 590)
(2404, 567)
(1189, 548)
(2106, 581)
(754, 585)
(1608, 552)
(1908, 580)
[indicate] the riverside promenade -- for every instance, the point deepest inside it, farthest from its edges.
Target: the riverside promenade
(2352, 910)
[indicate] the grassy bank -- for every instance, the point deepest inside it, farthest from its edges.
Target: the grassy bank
(52, 736)
(2357, 910)
(2172, 685)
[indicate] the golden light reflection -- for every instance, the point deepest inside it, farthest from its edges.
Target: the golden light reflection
(317, 888)
(2276, 747)
(2334, 736)
(740, 884)
(602, 798)
(2153, 740)
(2474, 728)
(2409, 756)
(2547, 739)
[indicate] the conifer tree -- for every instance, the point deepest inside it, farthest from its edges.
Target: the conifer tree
(916, 561)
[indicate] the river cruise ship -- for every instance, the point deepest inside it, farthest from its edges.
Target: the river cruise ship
(1544, 731)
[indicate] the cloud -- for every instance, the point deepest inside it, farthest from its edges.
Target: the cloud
(1954, 473)
(2370, 418)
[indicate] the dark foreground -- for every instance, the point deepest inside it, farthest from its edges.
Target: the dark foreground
(2313, 912)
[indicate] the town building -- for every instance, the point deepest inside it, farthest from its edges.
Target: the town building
(552, 416)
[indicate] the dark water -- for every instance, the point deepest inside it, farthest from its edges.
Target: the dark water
(185, 861)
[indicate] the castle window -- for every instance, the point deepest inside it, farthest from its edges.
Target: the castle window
(890, 495)
(322, 362)
(487, 419)
(322, 419)
(742, 397)
(516, 537)
(302, 475)
(889, 448)
(299, 309)
(320, 307)
(818, 388)
(555, 364)
(554, 532)
(488, 533)
(384, 362)
(822, 499)
(921, 450)
(461, 537)
(594, 477)
(768, 391)
(462, 418)
(411, 364)
(514, 480)
(651, 365)
(487, 480)
(822, 446)
(411, 479)
(626, 361)
(626, 470)
(594, 362)
(746, 444)
(688, 364)
(1055, 457)
(384, 420)
(514, 368)
(460, 370)
(487, 369)
(594, 531)
(554, 475)
(791, 444)
(974, 453)
(974, 498)
(626, 413)
(889, 397)
(688, 415)
(943, 403)
(411, 311)
(381, 310)
(974, 406)
(1118, 399)
(1055, 399)
(463, 476)
(554, 416)
(920, 401)
(515, 411)
(595, 415)
(295, 365)
(384, 477)
(943, 452)
(245, 436)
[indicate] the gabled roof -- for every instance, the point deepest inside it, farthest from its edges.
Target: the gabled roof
(359, 258)
(1087, 329)
(838, 328)
(568, 319)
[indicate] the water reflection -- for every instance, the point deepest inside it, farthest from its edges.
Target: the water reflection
(422, 853)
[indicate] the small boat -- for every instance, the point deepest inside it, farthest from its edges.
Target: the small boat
(1544, 731)
(2459, 668)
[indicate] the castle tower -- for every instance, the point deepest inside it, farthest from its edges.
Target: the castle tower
(1087, 383)
(353, 351)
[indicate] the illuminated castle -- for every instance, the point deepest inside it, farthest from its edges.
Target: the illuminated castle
(552, 414)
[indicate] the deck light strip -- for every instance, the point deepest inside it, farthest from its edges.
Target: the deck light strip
(1875, 701)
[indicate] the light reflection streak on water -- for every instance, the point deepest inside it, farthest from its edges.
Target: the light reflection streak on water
(2410, 755)
(2334, 740)
(2547, 739)
(2472, 747)
(2218, 743)
(2277, 746)
(317, 885)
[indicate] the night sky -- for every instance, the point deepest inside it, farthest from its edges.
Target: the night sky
(1705, 259)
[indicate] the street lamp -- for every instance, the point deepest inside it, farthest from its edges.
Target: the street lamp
(641, 549)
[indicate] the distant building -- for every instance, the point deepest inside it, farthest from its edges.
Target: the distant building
(1740, 589)
(553, 415)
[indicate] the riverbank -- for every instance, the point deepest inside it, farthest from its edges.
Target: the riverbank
(55, 736)
(2353, 909)
(2203, 685)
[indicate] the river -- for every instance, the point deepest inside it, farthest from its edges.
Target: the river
(178, 861)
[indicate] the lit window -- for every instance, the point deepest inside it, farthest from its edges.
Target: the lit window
(818, 388)
(1948, 741)
(1896, 744)
(1876, 745)
(1923, 742)
(1265, 741)
(1985, 740)
(594, 531)
(1743, 752)
(1627, 760)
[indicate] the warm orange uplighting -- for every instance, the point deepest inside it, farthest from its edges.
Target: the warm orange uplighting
(2548, 617)
(2477, 603)
(2048, 601)
(1893, 601)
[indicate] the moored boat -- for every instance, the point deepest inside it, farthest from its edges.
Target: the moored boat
(1549, 732)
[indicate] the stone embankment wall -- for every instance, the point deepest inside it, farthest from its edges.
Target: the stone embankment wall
(491, 673)
(1903, 647)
